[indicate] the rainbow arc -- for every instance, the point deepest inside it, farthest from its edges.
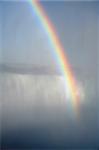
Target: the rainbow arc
(59, 51)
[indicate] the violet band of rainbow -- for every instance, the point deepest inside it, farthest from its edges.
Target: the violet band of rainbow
(65, 67)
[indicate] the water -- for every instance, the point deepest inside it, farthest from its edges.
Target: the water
(37, 114)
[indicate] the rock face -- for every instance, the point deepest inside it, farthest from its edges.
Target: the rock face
(37, 113)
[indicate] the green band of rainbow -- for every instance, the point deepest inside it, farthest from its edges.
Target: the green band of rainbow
(63, 61)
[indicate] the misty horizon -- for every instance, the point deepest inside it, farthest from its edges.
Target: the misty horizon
(37, 109)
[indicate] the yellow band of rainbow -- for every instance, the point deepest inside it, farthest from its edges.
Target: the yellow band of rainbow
(59, 50)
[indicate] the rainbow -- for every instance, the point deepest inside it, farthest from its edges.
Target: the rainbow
(59, 51)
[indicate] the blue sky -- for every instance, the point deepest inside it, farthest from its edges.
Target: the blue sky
(25, 40)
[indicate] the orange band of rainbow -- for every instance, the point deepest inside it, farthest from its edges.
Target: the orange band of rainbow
(63, 61)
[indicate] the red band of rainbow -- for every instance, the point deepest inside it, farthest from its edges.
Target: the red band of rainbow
(59, 50)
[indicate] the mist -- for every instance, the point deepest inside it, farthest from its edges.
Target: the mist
(38, 113)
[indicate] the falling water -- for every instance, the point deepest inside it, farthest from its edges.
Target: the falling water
(36, 111)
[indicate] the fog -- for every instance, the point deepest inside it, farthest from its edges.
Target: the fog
(38, 113)
(36, 109)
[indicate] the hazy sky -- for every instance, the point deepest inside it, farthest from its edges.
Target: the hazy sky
(0, 32)
(25, 41)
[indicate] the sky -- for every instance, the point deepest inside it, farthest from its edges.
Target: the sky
(0, 33)
(26, 42)
(23, 40)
